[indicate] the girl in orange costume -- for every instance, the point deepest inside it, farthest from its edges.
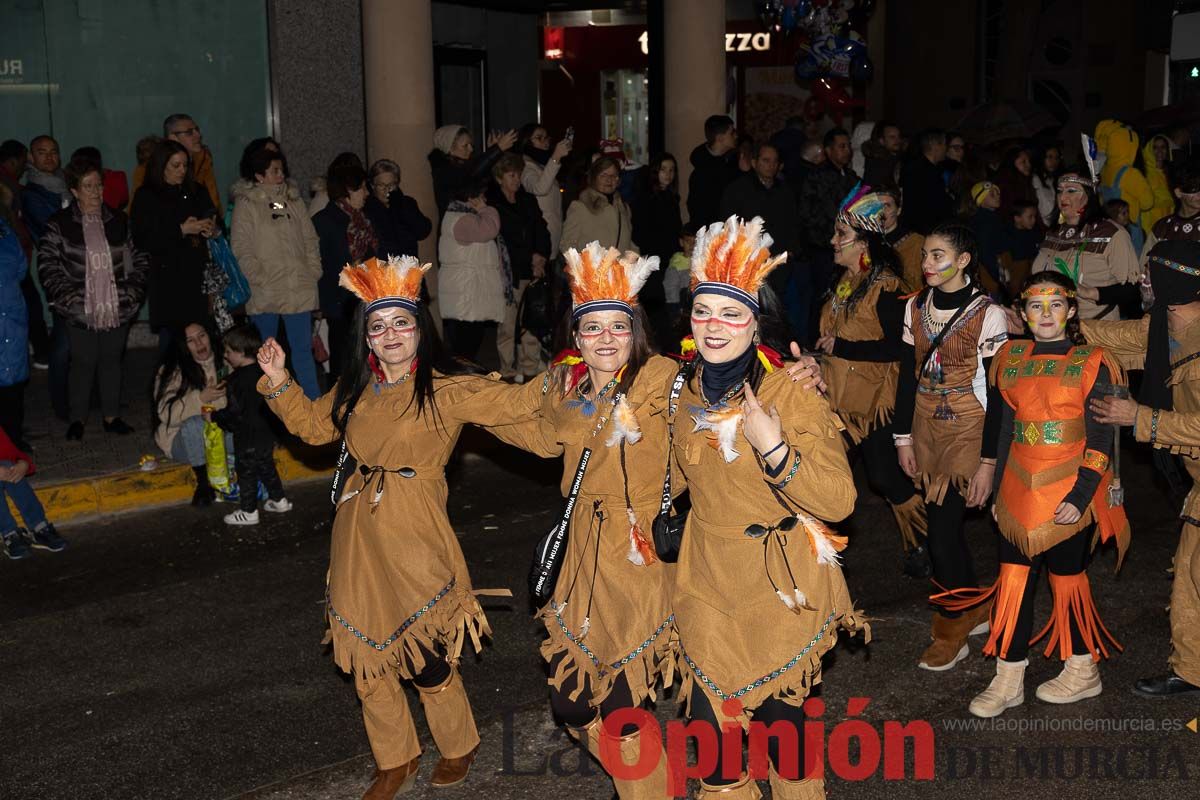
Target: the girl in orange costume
(1052, 490)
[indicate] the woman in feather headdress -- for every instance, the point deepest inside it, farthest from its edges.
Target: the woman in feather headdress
(608, 620)
(861, 328)
(759, 593)
(400, 603)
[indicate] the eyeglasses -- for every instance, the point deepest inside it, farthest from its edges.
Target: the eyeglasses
(192, 131)
(756, 531)
(400, 325)
(386, 185)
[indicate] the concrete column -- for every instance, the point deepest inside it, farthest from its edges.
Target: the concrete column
(695, 75)
(397, 38)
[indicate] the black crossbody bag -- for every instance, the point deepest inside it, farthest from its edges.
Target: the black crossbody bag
(552, 548)
(667, 529)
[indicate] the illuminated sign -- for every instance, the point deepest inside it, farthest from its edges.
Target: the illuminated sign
(734, 42)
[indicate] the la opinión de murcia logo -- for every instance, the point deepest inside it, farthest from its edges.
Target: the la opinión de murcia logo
(820, 747)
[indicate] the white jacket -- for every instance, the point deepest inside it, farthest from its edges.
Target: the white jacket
(470, 283)
(542, 183)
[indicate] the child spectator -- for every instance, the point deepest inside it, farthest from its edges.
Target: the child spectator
(244, 417)
(14, 466)
(1024, 241)
(675, 281)
(989, 229)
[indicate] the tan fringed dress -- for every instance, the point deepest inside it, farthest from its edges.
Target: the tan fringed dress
(738, 640)
(627, 608)
(863, 393)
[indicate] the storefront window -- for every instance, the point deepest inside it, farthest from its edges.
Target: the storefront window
(625, 111)
(106, 73)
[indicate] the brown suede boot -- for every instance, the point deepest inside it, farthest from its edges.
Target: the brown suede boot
(804, 789)
(949, 643)
(390, 782)
(452, 771)
(745, 789)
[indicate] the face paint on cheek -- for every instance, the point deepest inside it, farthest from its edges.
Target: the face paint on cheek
(407, 333)
(948, 272)
(597, 334)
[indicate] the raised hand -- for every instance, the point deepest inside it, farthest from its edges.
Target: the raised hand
(763, 429)
(272, 359)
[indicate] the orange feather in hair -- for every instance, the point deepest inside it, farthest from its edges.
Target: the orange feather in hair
(375, 279)
(734, 252)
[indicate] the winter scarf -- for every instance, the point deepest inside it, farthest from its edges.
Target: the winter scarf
(100, 302)
(360, 234)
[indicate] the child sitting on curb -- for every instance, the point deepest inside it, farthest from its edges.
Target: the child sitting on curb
(14, 466)
(244, 417)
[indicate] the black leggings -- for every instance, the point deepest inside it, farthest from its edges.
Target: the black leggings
(947, 544)
(579, 713)
(883, 468)
(1065, 558)
(771, 711)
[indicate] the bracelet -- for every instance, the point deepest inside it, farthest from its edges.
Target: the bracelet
(791, 474)
(1154, 425)
(286, 385)
(767, 454)
(902, 440)
(991, 462)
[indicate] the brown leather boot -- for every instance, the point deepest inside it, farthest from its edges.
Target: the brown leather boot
(452, 771)
(949, 643)
(390, 782)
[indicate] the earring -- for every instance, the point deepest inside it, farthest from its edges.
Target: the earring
(864, 261)
(757, 340)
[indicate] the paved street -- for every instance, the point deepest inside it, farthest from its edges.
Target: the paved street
(168, 656)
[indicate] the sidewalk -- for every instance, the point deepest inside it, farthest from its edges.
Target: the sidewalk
(102, 474)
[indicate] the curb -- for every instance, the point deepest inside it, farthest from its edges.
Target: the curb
(75, 500)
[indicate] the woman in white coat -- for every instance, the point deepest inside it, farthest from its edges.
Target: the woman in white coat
(475, 278)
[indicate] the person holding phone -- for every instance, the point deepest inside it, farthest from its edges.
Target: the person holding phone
(540, 176)
(172, 219)
(1052, 503)
(187, 383)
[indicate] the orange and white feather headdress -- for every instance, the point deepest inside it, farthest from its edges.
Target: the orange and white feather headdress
(394, 283)
(604, 280)
(732, 259)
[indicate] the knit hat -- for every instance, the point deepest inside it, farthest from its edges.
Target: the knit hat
(980, 190)
(394, 283)
(732, 259)
(604, 280)
(443, 137)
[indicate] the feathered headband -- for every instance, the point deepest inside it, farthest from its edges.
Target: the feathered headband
(1095, 162)
(604, 280)
(733, 259)
(862, 209)
(394, 283)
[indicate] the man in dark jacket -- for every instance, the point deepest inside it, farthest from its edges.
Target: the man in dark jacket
(714, 166)
(820, 198)
(882, 154)
(789, 143)
(527, 240)
(759, 193)
(926, 201)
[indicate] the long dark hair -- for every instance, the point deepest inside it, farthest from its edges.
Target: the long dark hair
(962, 240)
(883, 259)
(773, 331)
(1074, 331)
(356, 372)
(178, 359)
(163, 151)
(650, 174)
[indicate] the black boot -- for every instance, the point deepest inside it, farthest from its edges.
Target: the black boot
(204, 494)
(1164, 686)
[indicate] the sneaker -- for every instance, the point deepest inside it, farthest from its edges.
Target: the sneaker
(46, 538)
(16, 546)
(40, 362)
(280, 506)
(240, 517)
